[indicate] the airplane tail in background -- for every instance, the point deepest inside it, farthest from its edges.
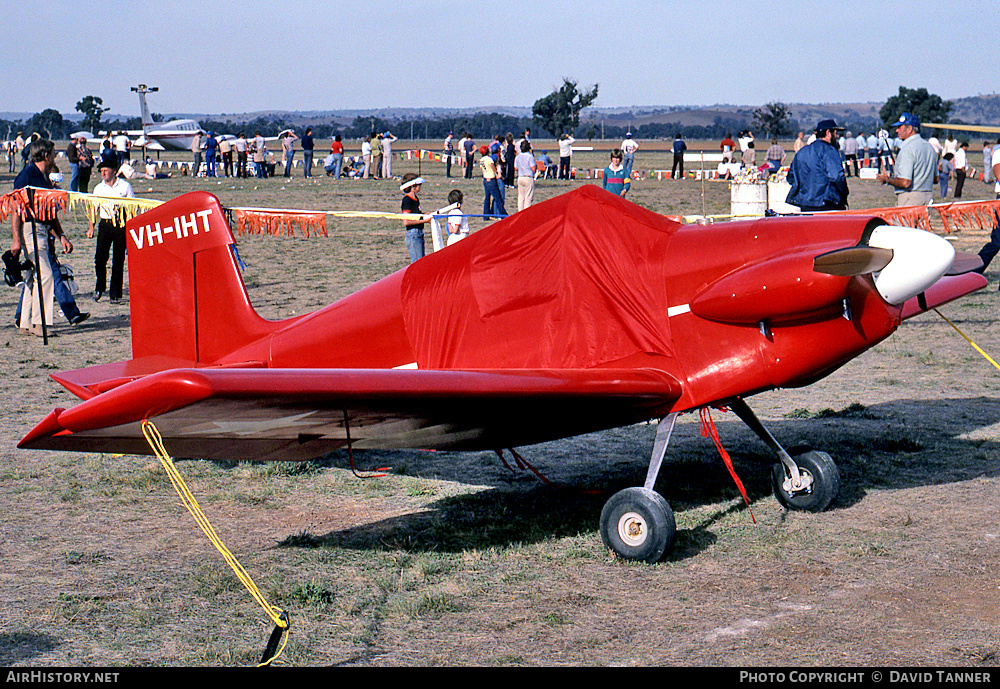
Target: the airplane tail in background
(147, 120)
(187, 297)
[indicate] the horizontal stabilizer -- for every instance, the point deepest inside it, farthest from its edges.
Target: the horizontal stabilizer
(965, 263)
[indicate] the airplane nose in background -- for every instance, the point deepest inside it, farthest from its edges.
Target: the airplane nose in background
(919, 260)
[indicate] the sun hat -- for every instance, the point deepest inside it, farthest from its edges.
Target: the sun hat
(411, 182)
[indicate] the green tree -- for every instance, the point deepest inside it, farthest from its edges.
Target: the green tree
(927, 107)
(91, 108)
(559, 111)
(774, 119)
(48, 123)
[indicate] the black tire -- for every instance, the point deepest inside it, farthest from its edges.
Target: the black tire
(825, 482)
(638, 524)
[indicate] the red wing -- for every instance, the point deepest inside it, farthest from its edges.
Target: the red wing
(295, 414)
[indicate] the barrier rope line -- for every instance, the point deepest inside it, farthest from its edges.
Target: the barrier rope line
(955, 213)
(278, 616)
(974, 345)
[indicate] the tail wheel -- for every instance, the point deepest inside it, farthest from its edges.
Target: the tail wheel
(638, 524)
(821, 479)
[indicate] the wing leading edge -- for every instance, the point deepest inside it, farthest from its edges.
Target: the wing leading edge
(299, 414)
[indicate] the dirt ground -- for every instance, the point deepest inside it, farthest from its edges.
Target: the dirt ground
(453, 560)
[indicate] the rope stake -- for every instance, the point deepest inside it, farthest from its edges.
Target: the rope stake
(278, 616)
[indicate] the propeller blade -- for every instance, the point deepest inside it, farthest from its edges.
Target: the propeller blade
(965, 263)
(856, 260)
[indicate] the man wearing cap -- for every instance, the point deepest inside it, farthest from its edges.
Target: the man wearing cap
(110, 234)
(915, 171)
(32, 305)
(816, 175)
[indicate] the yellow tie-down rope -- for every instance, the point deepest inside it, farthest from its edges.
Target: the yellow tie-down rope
(277, 615)
(987, 356)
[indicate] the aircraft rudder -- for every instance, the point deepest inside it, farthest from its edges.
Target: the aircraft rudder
(186, 293)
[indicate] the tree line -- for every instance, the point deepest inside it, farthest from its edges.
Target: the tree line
(552, 115)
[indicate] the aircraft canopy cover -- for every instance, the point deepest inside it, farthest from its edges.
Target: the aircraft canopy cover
(577, 281)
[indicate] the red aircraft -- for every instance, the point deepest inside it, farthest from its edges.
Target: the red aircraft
(578, 314)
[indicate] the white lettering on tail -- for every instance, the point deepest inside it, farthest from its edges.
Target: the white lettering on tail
(181, 227)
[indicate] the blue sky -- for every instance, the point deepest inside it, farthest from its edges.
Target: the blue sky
(219, 57)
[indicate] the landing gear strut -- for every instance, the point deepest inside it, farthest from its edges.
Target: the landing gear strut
(638, 524)
(803, 479)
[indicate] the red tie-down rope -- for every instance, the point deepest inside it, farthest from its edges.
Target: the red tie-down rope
(708, 431)
(522, 463)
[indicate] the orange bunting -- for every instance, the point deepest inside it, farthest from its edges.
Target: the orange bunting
(279, 223)
(982, 213)
(910, 216)
(48, 202)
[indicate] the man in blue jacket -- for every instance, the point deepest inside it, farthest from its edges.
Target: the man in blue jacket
(817, 173)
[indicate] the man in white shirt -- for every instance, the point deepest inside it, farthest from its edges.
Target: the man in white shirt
(961, 162)
(524, 165)
(241, 155)
(565, 153)
(915, 171)
(196, 150)
(110, 233)
(122, 144)
(629, 147)
(366, 155)
(387, 140)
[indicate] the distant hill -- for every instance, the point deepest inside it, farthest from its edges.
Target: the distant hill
(977, 109)
(970, 110)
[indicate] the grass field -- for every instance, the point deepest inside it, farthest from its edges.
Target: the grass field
(453, 560)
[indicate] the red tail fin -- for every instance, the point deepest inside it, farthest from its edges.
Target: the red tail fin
(187, 298)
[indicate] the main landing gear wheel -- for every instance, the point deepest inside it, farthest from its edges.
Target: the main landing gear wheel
(638, 524)
(819, 485)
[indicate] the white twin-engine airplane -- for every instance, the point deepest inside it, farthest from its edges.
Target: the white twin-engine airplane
(175, 135)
